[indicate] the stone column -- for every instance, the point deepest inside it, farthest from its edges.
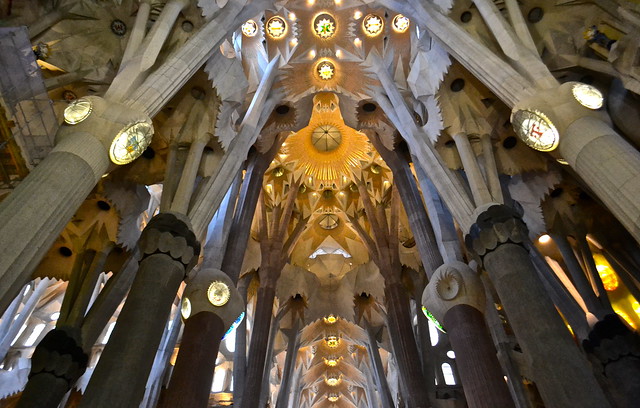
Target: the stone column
(561, 372)
(608, 164)
(289, 366)
(36, 212)
(210, 304)
(456, 298)
(617, 349)
(57, 363)
(168, 250)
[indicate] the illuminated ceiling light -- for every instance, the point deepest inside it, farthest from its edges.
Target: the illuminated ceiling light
(218, 293)
(312, 54)
(250, 28)
(333, 397)
(357, 15)
(185, 308)
(292, 16)
(332, 380)
(331, 362)
(544, 239)
(326, 70)
(433, 319)
(78, 111)
(372, 25)
(276, 27)
(400, 23)
(338, 2)
(357, 42)
(293, 42)
(332, 341)
(131, 142)
(535, 129)
(563, 162)
(331, 319)
(54, 316)
(324, 25)
(587, 95)
(311, 2)
(278, 172)
(339, 53)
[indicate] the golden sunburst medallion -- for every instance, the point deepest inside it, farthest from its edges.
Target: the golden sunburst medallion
(327, 148)
(400, 23)
(250, 28)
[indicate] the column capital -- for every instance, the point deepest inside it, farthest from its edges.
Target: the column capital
(60, 354)
(496, 224)
(453, 284)
(170, 234)
(199, 296)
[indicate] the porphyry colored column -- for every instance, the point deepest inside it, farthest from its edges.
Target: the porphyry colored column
(455, 296)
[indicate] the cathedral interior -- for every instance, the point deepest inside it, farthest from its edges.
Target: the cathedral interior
(319, 203)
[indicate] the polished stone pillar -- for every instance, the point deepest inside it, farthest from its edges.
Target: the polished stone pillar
(190, 383)
(57, 362)
(455, 296)
(561, 372)
(168, 250)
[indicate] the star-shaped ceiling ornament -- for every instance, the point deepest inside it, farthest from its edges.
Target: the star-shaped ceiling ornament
(324, 26)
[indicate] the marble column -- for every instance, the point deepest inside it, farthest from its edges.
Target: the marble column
(168, 250)
(561, 372)
(57, 362)
(36, 212)
(456, 298)
(210, 304)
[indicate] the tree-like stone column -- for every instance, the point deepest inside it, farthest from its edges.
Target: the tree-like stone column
(57, 363)
(168, 250)
(206, 306)
(455, 296)
(563, 375)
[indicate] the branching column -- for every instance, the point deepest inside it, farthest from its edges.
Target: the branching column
(275, 251)
(562, 373)
(383, 249)
(455, 296)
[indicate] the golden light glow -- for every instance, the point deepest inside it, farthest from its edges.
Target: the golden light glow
(250, 28)
(609, 278)
(400, 23)
(626, 318)
(372, 25)
(544, 239)
(357, 15)
(333, 397)
(292, 16)
(357, 42)
(339, 53)
(331, 319)
(185, 308)
(587, 96)
(324, 26)
(77, 111)
(312, 54)
(218, 293)
(321, 164)
(325, 70)
(276, 27)
(332, 361)
(332, 341)
(332, 380)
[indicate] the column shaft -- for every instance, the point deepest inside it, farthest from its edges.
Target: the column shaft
(476, 359)
(563, 375)
(258, 347)
(36, 212)
(120, 377)
(190, 383)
